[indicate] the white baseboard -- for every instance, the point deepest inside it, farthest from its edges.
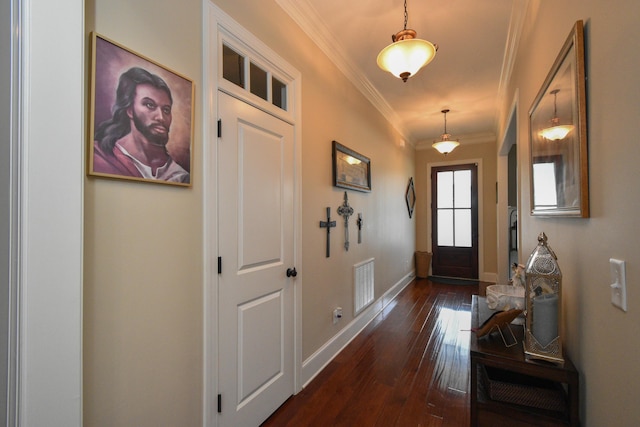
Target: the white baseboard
(321, 358)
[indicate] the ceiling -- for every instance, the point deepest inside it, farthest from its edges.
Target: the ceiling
(476, 41)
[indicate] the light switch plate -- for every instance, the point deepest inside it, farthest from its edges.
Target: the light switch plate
(619, 284)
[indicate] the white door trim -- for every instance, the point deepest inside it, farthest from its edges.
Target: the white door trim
(48, 231)
(509, 138)
(217, 24)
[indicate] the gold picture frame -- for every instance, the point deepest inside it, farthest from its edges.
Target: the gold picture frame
(141, 117)
(558, 134)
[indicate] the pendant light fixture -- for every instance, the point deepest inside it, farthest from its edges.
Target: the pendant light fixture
(406, 55)
(556, 131)
(446, 144)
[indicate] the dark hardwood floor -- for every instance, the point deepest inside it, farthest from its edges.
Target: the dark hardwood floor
(408, 367)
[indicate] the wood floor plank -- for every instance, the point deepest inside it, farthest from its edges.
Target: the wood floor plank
(408, 367)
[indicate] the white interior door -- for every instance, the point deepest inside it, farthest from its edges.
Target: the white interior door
(256, 238)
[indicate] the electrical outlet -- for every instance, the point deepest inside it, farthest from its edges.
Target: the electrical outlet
(337, 314)
(619, 285)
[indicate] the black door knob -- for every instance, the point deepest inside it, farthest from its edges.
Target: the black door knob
(291, 272)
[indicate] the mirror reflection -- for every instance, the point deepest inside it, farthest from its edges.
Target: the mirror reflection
(559, 176)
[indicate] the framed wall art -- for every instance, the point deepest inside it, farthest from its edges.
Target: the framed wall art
(351, 170)
(141, 117)
(410, 197)
(558, 133)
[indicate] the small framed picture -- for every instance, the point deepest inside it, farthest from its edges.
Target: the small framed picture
(141, 117)
(351, 170)
(410, 197)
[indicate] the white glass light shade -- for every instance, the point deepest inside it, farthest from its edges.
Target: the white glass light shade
(445, 146)
(405, 58)
(556, 133)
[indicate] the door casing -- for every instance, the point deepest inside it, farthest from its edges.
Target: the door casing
(218, 27)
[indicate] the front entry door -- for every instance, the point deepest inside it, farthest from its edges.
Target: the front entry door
(454, 214)
(256, 229)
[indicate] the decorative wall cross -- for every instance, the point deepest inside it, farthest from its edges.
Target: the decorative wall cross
(345, 211)
(328, 224)
(359, 222)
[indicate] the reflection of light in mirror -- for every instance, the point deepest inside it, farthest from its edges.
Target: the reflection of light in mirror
(556, 133)
(544, 181)
(352, 160)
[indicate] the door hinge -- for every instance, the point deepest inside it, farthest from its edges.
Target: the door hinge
(219, 403)
(219, 265)
(219, 128)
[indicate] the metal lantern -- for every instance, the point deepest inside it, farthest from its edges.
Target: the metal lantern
(543, 297)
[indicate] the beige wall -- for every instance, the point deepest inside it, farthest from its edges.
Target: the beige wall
(143, 252)
(143, 258)
(601, 340)
(426, 156)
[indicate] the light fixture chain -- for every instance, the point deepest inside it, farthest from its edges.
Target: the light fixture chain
(406, 15)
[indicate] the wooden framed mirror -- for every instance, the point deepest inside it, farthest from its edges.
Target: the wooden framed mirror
(558, 134)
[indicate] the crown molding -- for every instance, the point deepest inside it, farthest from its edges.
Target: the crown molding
(516, 24)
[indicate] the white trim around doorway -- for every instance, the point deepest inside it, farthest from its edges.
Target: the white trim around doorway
(218, 26)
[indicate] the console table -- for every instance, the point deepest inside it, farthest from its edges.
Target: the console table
(495, 368)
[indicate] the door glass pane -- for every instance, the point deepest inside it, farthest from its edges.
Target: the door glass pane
(445, 227)
(258, 78)
(232, 66)
(462, 189)
(445, 189)
(463, 228)
(279, 93)
(544, 177)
